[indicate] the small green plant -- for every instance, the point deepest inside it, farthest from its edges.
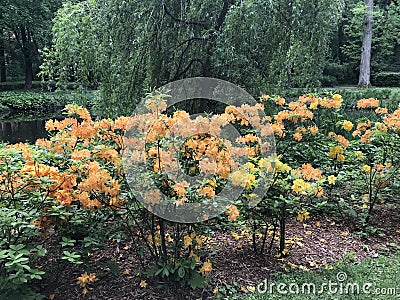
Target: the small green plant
(16, 270)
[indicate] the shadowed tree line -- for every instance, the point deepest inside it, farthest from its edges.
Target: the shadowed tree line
(126, 48)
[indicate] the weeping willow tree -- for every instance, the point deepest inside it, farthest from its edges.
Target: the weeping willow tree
(126, 48)
(280, 43)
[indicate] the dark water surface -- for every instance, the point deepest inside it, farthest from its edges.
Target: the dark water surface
(22, 131)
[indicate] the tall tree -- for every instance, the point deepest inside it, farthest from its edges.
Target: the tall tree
(263, 42)
(365, 64)
(28, 22)
(3, 71)
(127, 47)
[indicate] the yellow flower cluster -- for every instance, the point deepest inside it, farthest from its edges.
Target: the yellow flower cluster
(206, 268)
(301, 187)
(336, 153)
(347, 125)
(85, 279)
(303, 215)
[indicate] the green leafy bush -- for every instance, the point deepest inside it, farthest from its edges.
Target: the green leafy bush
(19, 85)
(383, 79)
(39, 101)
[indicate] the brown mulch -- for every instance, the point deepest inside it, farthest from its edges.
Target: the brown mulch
(312, 244)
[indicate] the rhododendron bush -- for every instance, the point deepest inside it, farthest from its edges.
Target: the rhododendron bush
(72, 186)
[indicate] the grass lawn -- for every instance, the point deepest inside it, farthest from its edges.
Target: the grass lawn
(379, 276)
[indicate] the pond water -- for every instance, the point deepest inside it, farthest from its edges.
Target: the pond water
(26, 127)
(22, 131)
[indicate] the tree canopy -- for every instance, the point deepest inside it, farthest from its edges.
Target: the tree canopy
(26, 26)
(126, 48)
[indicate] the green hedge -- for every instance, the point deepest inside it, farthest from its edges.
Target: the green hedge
(383, 79)
(41, 101)
(20, 85)
(30, 100)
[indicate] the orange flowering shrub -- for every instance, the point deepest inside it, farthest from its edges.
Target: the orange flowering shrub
(323, 151)
(323, 160)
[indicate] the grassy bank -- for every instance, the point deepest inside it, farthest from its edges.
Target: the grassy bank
(380, 278)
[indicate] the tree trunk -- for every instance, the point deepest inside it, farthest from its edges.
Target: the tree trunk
(3, 72)
(207, 66)
(28, 72)
(27, 52)
(340, 42)
(365, 64)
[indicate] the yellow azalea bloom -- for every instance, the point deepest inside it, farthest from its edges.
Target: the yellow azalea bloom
(302, 215)
(187, 241)
(238, 177)
(314, 105)
(336, 153)
(300, 186)
(157, 239)
(249, 166)
(359, 154)
(249, 181)
(281, 167)
(347, 125)
(337, 97)
(366, 168)
(331, 179)
(195, 256)
(264, 164)
(143, 284)
(199, 242)
(213, 183)
(206, 268)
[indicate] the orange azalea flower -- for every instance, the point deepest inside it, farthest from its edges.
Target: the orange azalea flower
(232, 212)
(153, 197)
(207, 191)
(298, 136)
(207, 166)
(180, 188)
(313, 129)
(63, 197)
(381, 110)
(43, 143)
(319, 192)
(280, 101)
(308, 172)
(86, 279)
(80, 154)
(342, 140)
(365, 103)
(122, 123)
